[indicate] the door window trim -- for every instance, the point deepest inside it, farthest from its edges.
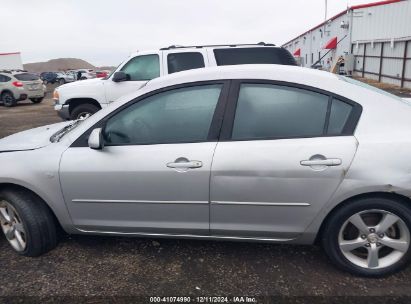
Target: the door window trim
(228, 122)
(215, 126)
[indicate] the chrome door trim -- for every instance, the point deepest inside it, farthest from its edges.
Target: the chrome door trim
(261, 204)
(185, 236)
(137, 201)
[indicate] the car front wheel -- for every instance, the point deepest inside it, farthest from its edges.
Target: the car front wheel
(83, 111)
(369, 237)
(27, 223)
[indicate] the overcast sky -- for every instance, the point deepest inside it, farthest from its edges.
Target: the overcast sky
(104, 32)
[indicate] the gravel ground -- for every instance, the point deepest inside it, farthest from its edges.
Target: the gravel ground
(112, 266)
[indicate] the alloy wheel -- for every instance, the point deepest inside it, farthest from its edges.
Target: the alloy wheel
(12, 226)
(374, 239)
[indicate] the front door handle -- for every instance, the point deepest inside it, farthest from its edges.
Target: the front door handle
(184, 163)
(321, 162)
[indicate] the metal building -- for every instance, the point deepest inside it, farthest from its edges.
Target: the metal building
(11, 61)
(373, 39)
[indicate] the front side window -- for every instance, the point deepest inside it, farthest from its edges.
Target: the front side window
(178, 115)
(178, 62)
(274, 111)
(143, 68)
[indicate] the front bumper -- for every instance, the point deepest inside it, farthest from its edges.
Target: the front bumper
(62, 111)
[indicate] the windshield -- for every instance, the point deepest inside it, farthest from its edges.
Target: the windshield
(60, 134)
(26, 77)
(370, 87)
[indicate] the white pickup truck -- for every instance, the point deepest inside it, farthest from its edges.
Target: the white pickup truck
(83, 98)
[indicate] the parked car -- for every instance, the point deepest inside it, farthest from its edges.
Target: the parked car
(85, 74)
(102, 74)
(11, 90)
(34, 86)
(63, 78)
(257, 153)
(78, 100)
(56, 77)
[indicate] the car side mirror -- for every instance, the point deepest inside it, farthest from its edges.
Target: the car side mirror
(95, 140)
(120, 76)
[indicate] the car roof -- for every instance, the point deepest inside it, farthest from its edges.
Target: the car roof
(245, 71)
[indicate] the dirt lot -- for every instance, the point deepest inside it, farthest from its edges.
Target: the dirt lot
(107, 266)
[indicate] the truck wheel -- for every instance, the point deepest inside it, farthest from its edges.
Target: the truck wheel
(36, 100)
(8, 99)
(83, 111)
(27, 223)
(62, 81)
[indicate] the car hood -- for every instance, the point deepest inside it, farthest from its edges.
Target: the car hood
(80, 83)
(31, 139)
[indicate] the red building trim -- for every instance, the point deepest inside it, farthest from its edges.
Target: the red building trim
(4, 54)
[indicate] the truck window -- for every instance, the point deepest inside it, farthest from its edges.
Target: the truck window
(144, 67)
(177, 62)
(257, 55)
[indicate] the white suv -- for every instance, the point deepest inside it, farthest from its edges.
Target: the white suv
(81, 99)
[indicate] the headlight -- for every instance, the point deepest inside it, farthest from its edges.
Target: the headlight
(56, 96)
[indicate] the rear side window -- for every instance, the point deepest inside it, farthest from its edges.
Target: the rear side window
(26, 77)
(145, 67)
(4, 78)
(273, 111)
(339, 114)
(177, 62)
(258, 55)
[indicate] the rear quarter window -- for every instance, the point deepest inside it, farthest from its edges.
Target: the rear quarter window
(257, 55)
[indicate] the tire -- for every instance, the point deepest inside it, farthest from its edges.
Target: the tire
(339, 234)
(45, 82)
(33, 217)
(37, 100)
(83, 78)
(8, 99)
(81, 111)
(62, 81)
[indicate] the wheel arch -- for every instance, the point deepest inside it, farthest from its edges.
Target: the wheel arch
(18, 187)
(378, 194)
(74, 102)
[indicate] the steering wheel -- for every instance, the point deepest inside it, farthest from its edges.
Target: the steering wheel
(120, 135)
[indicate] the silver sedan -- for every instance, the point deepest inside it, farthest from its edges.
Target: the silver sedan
(255, 153)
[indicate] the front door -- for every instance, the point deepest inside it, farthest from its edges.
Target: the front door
(153, 174)
(140, 69)
(285, 154)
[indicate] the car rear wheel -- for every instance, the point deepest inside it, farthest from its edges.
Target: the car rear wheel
(27, 223)
(369, 237)
(8, 99)
(83, 111)
(62, 81)
(36, 100)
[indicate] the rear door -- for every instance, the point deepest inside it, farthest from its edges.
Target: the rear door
(284, 151)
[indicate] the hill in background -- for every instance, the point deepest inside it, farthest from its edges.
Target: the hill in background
(61, 64)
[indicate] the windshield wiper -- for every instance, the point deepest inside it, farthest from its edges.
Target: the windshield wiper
(59, 134)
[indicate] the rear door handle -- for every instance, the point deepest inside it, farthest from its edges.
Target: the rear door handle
(322, 162)
(192, 164)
